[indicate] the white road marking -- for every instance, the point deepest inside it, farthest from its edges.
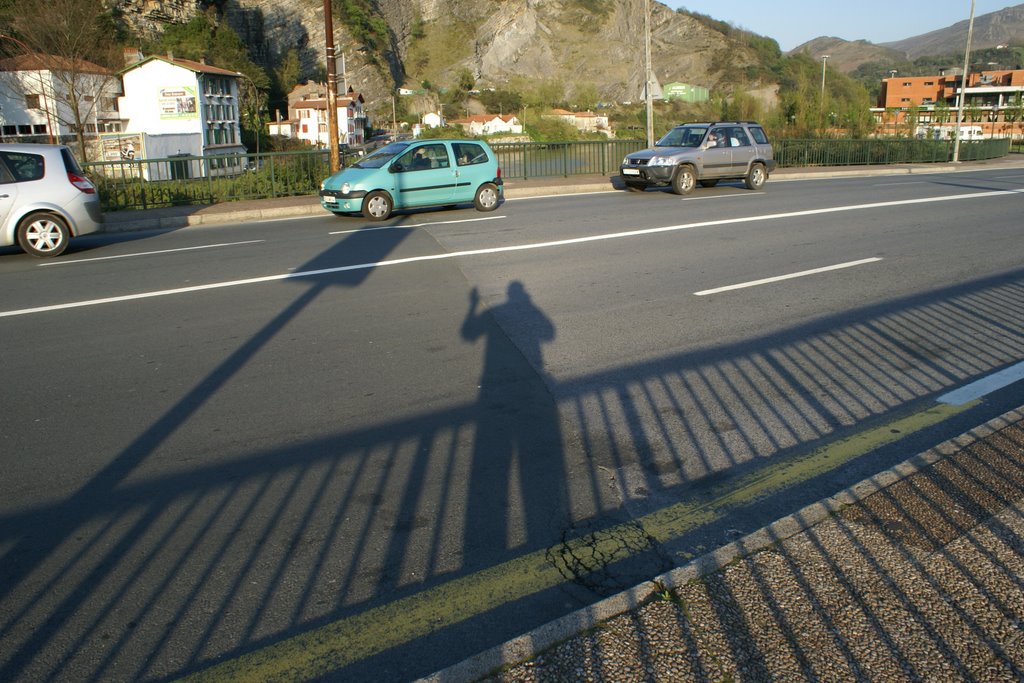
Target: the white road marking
(386, 227)
(518, 247)
(558, 195)
(147, 253)
(790, 276)
(984, 386)
(418, 225)
(724, 196)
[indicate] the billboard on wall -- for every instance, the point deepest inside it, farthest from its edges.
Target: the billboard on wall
(123, 147)
(177, 103)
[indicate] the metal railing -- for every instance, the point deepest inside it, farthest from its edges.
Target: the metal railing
(547, 159)
(151, 183)
(825, 152)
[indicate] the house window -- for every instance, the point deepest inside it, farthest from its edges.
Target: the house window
(904, 99)
(32, 102)
(929, 82)
(907, 84)
(10, 130)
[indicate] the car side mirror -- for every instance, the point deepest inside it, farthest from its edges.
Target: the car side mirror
(395, 168)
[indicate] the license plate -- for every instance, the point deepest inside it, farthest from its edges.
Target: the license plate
(630, 171)
(329, 199)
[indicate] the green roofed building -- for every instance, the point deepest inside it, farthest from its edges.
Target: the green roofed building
(685, 92)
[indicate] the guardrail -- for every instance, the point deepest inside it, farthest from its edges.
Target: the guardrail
(150, 183)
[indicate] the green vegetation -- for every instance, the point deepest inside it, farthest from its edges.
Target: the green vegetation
(364, 24)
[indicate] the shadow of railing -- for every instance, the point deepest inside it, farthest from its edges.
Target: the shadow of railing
(142, 580)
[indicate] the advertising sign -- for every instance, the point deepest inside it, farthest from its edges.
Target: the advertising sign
(177, 103)
(123, 147)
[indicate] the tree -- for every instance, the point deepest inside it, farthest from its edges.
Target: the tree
(466, 82)
(75, 42)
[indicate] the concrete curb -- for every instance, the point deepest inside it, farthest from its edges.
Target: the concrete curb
(530, 645)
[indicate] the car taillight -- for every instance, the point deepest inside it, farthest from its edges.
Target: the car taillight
(81, 183)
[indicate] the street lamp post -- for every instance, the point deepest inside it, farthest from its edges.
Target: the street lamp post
(821, 103)
(648, 97)
(963, 88)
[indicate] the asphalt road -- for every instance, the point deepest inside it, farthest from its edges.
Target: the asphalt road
(309, 449)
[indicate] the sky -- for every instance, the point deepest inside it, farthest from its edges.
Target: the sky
(793, 23)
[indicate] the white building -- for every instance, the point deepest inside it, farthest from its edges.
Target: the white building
(489, 124)
(583, 121)
(35, 104)
(307, 117)
(183, 108)
(432, 120)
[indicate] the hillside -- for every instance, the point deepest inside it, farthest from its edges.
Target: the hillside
(568, 46)
(1005, 27)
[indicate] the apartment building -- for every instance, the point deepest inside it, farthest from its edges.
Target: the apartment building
(182, 108)
(993, 102)
(36, 104)
(307, 117)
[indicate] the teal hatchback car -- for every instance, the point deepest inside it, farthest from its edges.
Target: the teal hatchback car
(414, 174)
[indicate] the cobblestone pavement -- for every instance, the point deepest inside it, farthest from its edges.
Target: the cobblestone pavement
(922, 578)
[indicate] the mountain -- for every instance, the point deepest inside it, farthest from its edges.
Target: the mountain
(571, 45)
(1004, 27)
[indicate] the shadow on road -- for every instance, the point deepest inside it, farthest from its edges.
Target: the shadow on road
(154, 579)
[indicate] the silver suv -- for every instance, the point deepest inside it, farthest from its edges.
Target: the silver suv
(702, 153)
(45, 198)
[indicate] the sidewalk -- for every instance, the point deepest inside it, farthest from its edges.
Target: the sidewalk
(174, 217)
(913, 574)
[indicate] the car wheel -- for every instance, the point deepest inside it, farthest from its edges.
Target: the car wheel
(684, 180)
(708, 183)
(756, 178)
(486, 198)
(377, 206)
(43, 234)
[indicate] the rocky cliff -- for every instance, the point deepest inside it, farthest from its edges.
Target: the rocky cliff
(568, 44)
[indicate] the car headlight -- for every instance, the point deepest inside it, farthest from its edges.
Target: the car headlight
(345, 188)
(625, 161)
(323, 185)
(661, 161)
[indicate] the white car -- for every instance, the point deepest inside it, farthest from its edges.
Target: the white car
(45, 199)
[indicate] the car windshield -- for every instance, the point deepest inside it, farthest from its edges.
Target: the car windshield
(685, 136)
(381, 156)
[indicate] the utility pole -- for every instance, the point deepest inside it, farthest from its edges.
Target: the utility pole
(963, 89)
(332, 92)
(648, 98)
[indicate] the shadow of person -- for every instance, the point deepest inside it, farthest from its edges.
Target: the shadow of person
(517, 488)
